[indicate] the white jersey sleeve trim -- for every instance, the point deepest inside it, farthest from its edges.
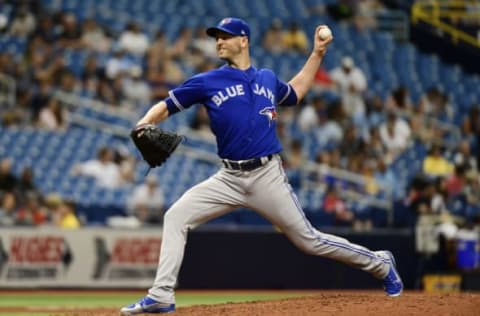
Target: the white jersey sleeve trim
(286, 94)
(175, 100)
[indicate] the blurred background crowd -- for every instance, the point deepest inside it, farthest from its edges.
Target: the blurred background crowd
(388, 134)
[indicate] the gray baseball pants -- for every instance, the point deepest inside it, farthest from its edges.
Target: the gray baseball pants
(265, 190)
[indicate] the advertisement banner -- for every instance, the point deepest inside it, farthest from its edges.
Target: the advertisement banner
(91, 257)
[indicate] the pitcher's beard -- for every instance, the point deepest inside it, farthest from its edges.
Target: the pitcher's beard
(227, 60)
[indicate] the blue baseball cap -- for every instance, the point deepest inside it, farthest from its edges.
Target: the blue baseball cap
(233, 26)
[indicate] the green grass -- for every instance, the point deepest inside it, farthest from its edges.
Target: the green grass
(116, 300)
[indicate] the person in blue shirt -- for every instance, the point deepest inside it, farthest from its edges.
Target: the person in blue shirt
(242, 102)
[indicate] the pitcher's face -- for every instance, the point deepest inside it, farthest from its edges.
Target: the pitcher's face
(230, 46)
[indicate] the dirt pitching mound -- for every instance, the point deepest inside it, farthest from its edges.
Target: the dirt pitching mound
(341, 303)
(349, 304)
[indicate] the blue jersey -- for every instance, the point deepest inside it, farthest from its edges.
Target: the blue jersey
(241, 105)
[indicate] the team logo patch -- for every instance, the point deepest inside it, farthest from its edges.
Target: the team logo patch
(225, 21)
(270, 113)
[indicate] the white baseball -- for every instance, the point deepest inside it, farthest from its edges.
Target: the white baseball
(324, 33)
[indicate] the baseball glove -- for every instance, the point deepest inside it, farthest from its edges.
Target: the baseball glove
(154, 144)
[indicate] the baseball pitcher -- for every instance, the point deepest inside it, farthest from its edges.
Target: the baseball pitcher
(242, 102)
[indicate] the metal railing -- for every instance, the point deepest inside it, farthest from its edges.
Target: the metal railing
(428, 122)
(317, 184)
(436, 13)
(75, 102)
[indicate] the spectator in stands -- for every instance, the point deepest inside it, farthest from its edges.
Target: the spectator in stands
(135, 88)
(91, 76)
(419, 197)
(158, 83)
(32, 212)
(395, 134)
(351, 84)
(323, 82)
(53, 116)
(103, 169)
(400, 100)
(7, 67)
(329, 130)
(324, 159)
(439, 200)
(68, 83)
(375, 110)
(158, 50)
(133, 40)
(147, 201)
(63, 212)
(463, 157)
(310, 114)
(385, 176)
(429, 100)
(174, 74)
(334, 204)
(327, 159)
(435, 104)
(295, 39)
(354, 163)
(180, 47)
(273, 41)
(94, 37)
(70, 34)
(163, 76)
(118, 64)
(126, 163)
(422, 130)
(105, 92)
(472, 189)
(336, 159)
(8, 181)
(204, 44)
(3, 22)
(455, 181)
(19, 115)
(471, 128)
(371, 186)
(352, 143)
(41, 97)
(376, 147)
(295, 156)
(23, 23)
(445, 111)
(435, 227)
(8, 208)
(435, 164)
(43, 69)
(365, 14)
(46, 29)
(26, 184)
